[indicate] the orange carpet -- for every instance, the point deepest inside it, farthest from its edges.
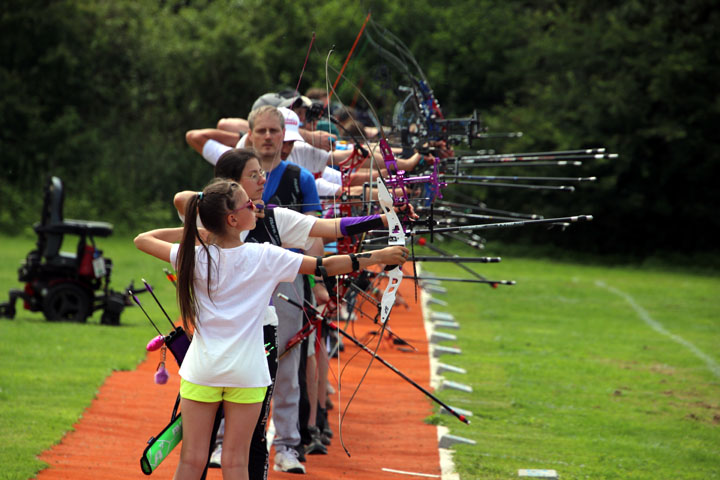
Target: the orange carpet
(383, 428)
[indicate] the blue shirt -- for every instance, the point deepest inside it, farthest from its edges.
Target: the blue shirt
(311, 199)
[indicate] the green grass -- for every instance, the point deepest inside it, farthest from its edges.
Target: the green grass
(51, 371)
(567, 375)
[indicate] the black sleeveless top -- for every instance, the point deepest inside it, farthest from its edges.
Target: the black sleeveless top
(265, 230)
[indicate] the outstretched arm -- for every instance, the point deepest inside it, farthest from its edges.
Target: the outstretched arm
(333, 228)
(318, 138)
(407, 164)
(338, 264)
(340, 227)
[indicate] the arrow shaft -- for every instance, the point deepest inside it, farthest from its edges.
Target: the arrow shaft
(514, 185)
(529, 216)
(466, 280)
(378, 357)
(398, 372)
(420, 258)
(516, 178)
(557, 163)
(461, 265)
(488, 226)
(445, 212)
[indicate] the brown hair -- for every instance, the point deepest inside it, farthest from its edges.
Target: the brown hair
(212, 206)
(231, 164)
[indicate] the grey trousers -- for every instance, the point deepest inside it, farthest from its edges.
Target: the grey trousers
(286, 396)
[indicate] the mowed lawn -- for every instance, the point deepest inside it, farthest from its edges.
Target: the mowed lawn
(593, 371)
(50, 372)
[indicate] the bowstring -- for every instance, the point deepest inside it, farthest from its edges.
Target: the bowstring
(307, 56)
(372, 150)
(337, 286)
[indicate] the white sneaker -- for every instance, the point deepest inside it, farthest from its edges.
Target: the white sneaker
(286, 460)
(215, 457)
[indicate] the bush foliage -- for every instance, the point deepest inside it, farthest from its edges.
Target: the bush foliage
(101, 93)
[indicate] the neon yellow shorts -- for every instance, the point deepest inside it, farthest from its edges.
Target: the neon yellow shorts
(202, 393)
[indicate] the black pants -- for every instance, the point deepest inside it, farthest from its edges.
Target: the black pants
(304, 404)
(259, 456)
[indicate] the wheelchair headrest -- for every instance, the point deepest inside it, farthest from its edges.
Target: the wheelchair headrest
(53, 199)
(53, 222)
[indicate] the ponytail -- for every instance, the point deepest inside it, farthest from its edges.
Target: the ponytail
(186, 266)
(212, 205)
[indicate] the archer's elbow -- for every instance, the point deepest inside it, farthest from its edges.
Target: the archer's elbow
(139, 240)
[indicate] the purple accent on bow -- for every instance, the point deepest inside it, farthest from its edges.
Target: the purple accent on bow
(395, 180)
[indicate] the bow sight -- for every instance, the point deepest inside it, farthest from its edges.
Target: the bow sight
(316, 111)
(425, 122)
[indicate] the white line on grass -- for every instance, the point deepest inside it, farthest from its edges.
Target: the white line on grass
(645, 316)
(415, 474)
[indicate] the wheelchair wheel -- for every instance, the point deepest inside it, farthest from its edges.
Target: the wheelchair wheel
(67, 302)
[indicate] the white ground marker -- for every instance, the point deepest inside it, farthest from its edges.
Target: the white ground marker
(712, 365)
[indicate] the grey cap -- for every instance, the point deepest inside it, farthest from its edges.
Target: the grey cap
(273, 99)
(296, 101)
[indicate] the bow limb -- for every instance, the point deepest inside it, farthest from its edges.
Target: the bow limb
(396, 231)
(396, 237)
(388, 200)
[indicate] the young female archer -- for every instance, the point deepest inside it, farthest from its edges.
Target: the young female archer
(224, 286)
(289, 229)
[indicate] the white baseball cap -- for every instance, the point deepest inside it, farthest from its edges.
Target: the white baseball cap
(292, 124)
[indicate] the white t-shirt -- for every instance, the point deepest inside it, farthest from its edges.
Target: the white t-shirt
(227, 349)
(332, 175)
(302, 154)
(294, 231)
(212, 150)
(293, 228)
(325, 188)
(312, 158)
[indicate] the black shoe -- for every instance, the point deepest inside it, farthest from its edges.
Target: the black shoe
(300, 449)
(323, 426)
(315, 447)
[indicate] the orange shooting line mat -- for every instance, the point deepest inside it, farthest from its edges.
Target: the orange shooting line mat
(383, 427)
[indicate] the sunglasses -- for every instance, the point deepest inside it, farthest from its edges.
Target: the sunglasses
(249, 204)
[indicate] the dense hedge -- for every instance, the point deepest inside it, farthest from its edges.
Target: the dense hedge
(100, 93)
